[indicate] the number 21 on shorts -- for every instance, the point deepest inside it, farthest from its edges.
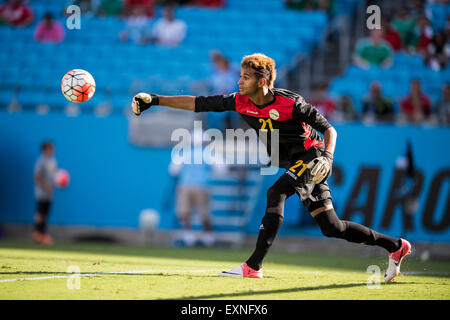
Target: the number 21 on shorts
(295, 168)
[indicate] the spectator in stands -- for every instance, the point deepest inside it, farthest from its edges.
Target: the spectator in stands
(137, 28)
(344, 109)
(377, 106)
(15, 13)
(222, 80)
(373, 51)
(169, 31)
(110, 8)
(438, 51)
(147, 7)
(391, 35)
(49, 30)
(442, 107)
(224, 77)
(322, 102)
(424, 34)
(192, 194)
(405, 24)
(416, 107)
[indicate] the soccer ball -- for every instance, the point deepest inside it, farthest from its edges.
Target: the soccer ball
(62, 178)
(78, 85)
(148, 220)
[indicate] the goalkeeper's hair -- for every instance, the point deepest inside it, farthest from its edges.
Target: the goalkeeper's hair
(263, 65)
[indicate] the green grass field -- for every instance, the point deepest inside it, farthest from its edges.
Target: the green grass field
(166, 273)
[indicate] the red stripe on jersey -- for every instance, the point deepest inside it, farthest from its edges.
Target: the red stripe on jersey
(310, 142)
(282, 105)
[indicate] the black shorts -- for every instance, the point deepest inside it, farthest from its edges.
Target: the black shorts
(43, 207)
(312, 195)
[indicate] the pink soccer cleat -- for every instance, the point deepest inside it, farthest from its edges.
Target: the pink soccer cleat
(36, 236)
(395, 260)
(243, 271)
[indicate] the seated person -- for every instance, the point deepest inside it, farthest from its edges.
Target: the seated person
(49, 30)
(373, 51)
(376, 105)
(417, 105)
(15, 13)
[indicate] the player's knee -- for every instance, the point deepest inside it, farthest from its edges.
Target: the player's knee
(273, 219)
(275, 199)
(333, 229)
(38, 217)
(272, 195)
(274, 214)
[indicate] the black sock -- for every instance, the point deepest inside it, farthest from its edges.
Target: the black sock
(360, 234)
(271, 221)
(41, 226)
(331, 226)
(270, 225)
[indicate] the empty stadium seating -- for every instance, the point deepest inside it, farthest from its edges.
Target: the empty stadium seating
(120, 69)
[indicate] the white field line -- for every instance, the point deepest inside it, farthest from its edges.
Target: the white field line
(72, 275)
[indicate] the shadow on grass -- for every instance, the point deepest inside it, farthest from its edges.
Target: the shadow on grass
(290, 290)
(221, 255)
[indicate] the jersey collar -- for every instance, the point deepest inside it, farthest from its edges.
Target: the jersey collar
(268, 103)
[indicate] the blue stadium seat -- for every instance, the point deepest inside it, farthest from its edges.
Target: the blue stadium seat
(97, 49)
(6, 96)
(439, 14)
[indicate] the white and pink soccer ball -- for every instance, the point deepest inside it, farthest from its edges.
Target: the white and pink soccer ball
(78, 85)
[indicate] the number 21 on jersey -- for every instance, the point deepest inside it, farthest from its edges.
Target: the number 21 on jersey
(265, 123)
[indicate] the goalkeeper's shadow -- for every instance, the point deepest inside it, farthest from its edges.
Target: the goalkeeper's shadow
(234, 295)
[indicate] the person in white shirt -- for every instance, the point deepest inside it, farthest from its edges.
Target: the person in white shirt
(169, 31)
(44, 189)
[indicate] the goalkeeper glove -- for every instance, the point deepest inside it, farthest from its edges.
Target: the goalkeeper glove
(321, 167)
(143, 101)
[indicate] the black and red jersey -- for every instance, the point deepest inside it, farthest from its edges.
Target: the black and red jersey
(298, 122)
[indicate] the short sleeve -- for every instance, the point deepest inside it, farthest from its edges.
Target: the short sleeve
(219, 103)
(38, 168)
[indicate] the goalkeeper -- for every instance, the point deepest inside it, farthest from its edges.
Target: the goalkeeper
(306, 156)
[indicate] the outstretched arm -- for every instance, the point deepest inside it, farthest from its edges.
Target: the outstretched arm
(218, 103)
(178, 102)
